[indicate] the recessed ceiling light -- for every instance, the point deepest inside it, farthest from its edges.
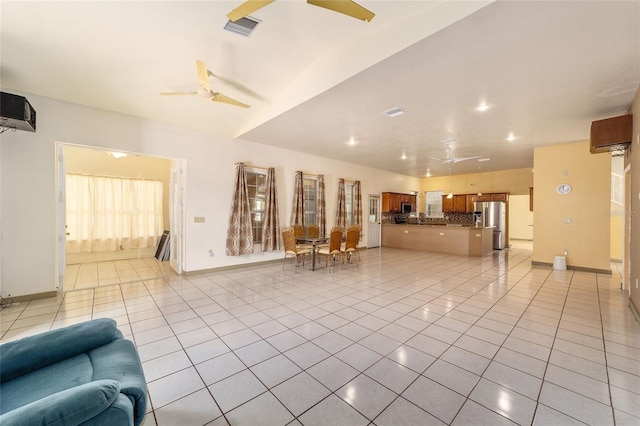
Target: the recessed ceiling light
(117, 154)
(352, 141)
(404, 156)
(482, 107)
(511, 137)
(394, 112)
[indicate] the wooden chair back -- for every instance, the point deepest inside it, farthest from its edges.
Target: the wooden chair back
(313, 231)
(335, 241)
(289, 240)
(298, 231)
(353, 236)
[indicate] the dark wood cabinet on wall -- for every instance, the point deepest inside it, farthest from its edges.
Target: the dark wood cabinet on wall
(496, 196)
(392, 201)
(466, 203)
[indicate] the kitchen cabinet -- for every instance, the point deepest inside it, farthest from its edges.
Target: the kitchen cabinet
(392, 201)
(459, 203)
(447, 204)
(496, 196)
(470, 201)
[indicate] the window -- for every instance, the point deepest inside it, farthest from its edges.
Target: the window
(110, 213)
(310, 186)
(256, 188)
(349, 204)
(433, 203)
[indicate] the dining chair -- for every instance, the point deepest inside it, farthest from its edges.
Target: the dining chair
(333, 250)
(298, 232)
(350, 248)
(290, 248)
(313, 231)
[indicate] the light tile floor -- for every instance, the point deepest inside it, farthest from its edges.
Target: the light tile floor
(406, 338)
(104, 273)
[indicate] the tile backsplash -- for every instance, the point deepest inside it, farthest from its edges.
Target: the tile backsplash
(448, 217)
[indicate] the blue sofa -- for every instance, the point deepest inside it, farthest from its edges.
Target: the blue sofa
(84, 374)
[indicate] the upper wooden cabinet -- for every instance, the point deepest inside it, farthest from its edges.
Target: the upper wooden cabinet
(457, 204)
(460, 203)
(471, 199)
(466, 203)
(392, 201)
(447, 204)
(496, 196)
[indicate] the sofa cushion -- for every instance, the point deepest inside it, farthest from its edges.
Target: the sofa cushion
(38, 351)
(66, 408)
(119, 360)
(45, 381)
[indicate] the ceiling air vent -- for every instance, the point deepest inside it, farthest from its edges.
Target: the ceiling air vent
(243, 26)
(394, 112)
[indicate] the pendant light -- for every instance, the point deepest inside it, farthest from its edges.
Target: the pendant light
(450, 196)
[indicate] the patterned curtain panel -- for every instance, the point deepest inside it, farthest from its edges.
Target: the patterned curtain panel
(271, 224)
(341, 206)
(322, 207)
(240, 231)
(297, 213)
(357, 203)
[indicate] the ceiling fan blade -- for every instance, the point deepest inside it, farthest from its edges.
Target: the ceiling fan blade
(179, 93)
(457, 160)
(203, 76)
(247, 8)
(219, 97)
(347, 7)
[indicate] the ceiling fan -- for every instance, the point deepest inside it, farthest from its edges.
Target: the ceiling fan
(449, 159)
(205, 89)
(347, 7)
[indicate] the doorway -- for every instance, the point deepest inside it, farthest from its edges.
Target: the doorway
(373, 222)
(94, 267)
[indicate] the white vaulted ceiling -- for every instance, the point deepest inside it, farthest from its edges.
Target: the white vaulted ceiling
(316, 79)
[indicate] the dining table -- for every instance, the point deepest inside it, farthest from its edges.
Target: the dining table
(314, 242)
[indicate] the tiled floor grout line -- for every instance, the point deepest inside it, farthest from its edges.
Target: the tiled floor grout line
(604, 350)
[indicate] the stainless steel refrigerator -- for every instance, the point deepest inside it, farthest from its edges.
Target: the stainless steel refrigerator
(493, 215)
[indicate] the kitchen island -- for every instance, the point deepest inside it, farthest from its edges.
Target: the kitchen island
(450, 239)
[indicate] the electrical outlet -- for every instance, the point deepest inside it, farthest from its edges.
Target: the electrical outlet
(210, 253)
(198, 219)
(567, 220)
(566, 252)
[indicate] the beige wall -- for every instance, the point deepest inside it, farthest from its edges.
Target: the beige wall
(90, 161)
(514, 181)
(633, 211)
(520, 218)
(587, 206)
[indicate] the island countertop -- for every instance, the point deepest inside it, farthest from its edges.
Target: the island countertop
(439, 238)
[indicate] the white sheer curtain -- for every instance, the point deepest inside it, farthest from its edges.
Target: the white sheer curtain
(109, 214)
